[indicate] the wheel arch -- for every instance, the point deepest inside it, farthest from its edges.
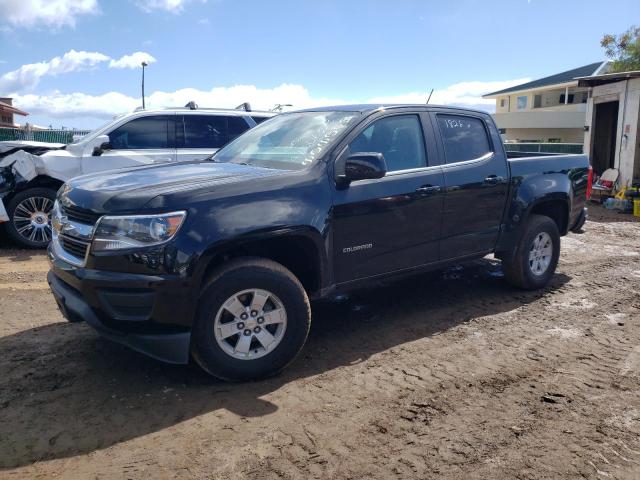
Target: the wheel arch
(556, 207)
(41, 181)
(300, 250)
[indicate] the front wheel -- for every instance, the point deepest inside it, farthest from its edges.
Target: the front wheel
(537, 254)
(29, 213)
(252, 321)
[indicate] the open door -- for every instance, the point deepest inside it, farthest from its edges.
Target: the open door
(605, 134)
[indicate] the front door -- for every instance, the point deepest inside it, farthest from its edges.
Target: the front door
(142, 141)
(476, 179)
(392, 223)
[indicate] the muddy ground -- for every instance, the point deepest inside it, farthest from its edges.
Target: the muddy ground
(450, 375)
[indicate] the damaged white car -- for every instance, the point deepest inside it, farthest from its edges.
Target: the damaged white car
(32, 172)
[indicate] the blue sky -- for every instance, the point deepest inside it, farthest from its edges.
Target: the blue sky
(300, 52)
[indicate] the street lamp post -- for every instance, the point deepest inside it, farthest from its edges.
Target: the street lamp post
(144, 64)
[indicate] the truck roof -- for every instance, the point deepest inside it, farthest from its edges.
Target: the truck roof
(371, 107)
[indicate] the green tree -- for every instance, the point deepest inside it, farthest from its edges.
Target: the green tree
(623, 49)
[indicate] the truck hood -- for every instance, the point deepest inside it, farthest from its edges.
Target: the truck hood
(129, 190)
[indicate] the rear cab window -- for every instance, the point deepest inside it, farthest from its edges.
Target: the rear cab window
(463, 137)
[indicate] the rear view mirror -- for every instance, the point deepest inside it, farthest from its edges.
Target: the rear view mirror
(100, 144)
(364, 166)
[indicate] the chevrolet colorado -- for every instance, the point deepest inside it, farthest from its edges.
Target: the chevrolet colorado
(218, 259)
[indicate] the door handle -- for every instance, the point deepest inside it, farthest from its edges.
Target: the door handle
(492, 180)
(428, 189)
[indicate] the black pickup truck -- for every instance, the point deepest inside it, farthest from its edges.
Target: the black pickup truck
(218, 259)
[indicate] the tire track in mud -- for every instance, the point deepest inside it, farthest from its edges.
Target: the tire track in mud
(461, 377)
(544, 396)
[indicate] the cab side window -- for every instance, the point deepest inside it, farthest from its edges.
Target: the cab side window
(141, 133)
(464, 138)
(399, 138)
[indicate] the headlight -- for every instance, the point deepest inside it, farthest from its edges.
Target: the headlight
(118, 233)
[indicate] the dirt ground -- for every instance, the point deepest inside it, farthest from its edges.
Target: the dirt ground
(450, 375)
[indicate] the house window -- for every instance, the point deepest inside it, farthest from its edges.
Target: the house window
(537, 101)
(502, 102)
(570, 98)
(522, 103)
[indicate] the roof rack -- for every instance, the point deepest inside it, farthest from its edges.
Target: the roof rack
(246, 106)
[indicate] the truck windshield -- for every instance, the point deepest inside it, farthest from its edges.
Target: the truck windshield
(291, 141)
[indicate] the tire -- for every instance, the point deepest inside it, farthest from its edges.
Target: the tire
(530, 268)
(29, 222)
(219, 337)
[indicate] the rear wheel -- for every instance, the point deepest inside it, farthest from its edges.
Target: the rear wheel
(29, 213)
(537, 254)
(253, 319)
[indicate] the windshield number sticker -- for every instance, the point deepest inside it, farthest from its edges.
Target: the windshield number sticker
(450, 123)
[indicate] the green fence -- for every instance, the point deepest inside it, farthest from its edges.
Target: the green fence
(544, 147)
(51, 136)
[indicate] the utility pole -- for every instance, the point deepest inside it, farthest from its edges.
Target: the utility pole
(144, 64)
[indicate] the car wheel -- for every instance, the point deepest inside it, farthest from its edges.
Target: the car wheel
(537, 254)
(29, 213)
(253, 319)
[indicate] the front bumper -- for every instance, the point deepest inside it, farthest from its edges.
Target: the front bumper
(124, 308)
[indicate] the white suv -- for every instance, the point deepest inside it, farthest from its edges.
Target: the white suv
(32, 172)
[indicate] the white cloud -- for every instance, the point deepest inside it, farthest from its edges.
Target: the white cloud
(79, 106)
(463, 94)
(132, 61)
(28, 76)
(49, 13)
(74, 105)
(173, 6)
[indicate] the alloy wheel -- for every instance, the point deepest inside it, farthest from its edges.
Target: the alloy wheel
(32, 219)
(250, 324)
(540, 253)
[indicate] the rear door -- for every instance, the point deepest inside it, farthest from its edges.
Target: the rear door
(141, 141)
(200, 135)
(391, 223)
(476, 180)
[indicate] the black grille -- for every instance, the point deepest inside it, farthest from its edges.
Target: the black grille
(77, 248)
(81, 215)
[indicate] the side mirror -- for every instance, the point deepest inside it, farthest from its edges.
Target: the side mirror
(364, 166)
(100, 144)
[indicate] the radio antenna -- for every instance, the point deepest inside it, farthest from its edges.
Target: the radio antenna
(430, 93)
